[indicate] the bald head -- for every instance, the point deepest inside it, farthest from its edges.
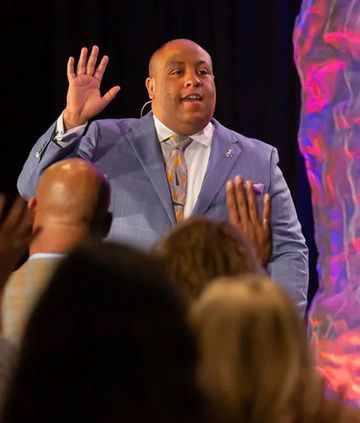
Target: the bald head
(158, 55)
(72, 194)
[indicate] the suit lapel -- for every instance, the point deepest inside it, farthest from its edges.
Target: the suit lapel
(225, 150)
(144, 141)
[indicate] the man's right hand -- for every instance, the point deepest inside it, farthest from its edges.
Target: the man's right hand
(84, 100)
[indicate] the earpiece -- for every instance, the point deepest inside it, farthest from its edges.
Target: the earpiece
(143, 107)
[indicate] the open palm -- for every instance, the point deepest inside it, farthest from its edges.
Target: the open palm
(84, 99)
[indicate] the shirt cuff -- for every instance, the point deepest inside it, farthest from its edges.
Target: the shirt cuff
(62, 136)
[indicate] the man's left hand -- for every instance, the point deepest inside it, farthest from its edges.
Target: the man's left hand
(243, 214)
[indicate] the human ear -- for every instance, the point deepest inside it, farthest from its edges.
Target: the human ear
(150, 85)
(32, 204)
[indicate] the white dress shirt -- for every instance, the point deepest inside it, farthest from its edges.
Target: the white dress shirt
(197, 154)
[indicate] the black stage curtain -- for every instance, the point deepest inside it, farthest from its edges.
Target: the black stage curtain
(250, 43)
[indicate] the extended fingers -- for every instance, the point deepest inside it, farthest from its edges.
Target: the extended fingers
(241, 199)
(101, 68)
(24, 228)
(252, 203)
(87, 65)
(81, 66)
(266, 217)
(70, 69)
(231, 203)
(110, 95)
(17, 215)
(267, 207)
(90, 67)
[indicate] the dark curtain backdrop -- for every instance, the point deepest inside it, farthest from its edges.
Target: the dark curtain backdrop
(250, 43)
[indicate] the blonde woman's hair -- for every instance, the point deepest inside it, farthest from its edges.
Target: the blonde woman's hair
(254, 361)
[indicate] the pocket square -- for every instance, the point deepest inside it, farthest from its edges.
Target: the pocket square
(258, 188)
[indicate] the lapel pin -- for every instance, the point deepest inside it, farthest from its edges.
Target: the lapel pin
(229, 154)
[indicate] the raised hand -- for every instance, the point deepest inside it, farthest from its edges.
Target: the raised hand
(243, 213)
(84, 99)
(15, 236)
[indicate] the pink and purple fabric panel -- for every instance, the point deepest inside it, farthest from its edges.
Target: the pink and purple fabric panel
(327, 55)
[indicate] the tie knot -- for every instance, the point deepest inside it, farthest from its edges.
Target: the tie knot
(179, 141)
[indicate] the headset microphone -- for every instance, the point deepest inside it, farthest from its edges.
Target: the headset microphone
(150, 101)
(151, 96)
(143, 107)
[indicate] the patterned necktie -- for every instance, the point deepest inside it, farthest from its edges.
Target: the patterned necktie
(176, 171)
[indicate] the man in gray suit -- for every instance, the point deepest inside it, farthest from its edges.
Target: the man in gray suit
(132, 153)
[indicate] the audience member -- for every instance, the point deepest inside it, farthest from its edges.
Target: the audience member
(201, 249)
(254, 361)
(15, 236)
(71, 203)
(107, 342)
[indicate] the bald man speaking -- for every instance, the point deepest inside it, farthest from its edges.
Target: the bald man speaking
(173, 162)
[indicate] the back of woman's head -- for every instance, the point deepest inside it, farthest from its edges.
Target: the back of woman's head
(200, 249)
(108, 341)
(254, 362)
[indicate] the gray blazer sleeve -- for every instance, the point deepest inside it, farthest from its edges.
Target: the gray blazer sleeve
(289, 262)
(46, 152)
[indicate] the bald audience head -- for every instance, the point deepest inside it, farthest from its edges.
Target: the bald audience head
(71, 202)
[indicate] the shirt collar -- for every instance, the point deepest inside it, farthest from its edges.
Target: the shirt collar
(204, 137)
(45, 255)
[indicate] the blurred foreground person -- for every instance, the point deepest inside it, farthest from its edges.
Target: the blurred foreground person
(107, 342)
(71, 203)
(254, 361)
(201, 249)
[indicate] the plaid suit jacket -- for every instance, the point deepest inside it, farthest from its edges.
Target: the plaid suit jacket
(128, 152)
(21, 293)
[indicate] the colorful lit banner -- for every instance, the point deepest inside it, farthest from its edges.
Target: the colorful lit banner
(327, 53)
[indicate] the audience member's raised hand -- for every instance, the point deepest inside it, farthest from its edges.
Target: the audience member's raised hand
(243, 213)
(15, 235)
(84, 99)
